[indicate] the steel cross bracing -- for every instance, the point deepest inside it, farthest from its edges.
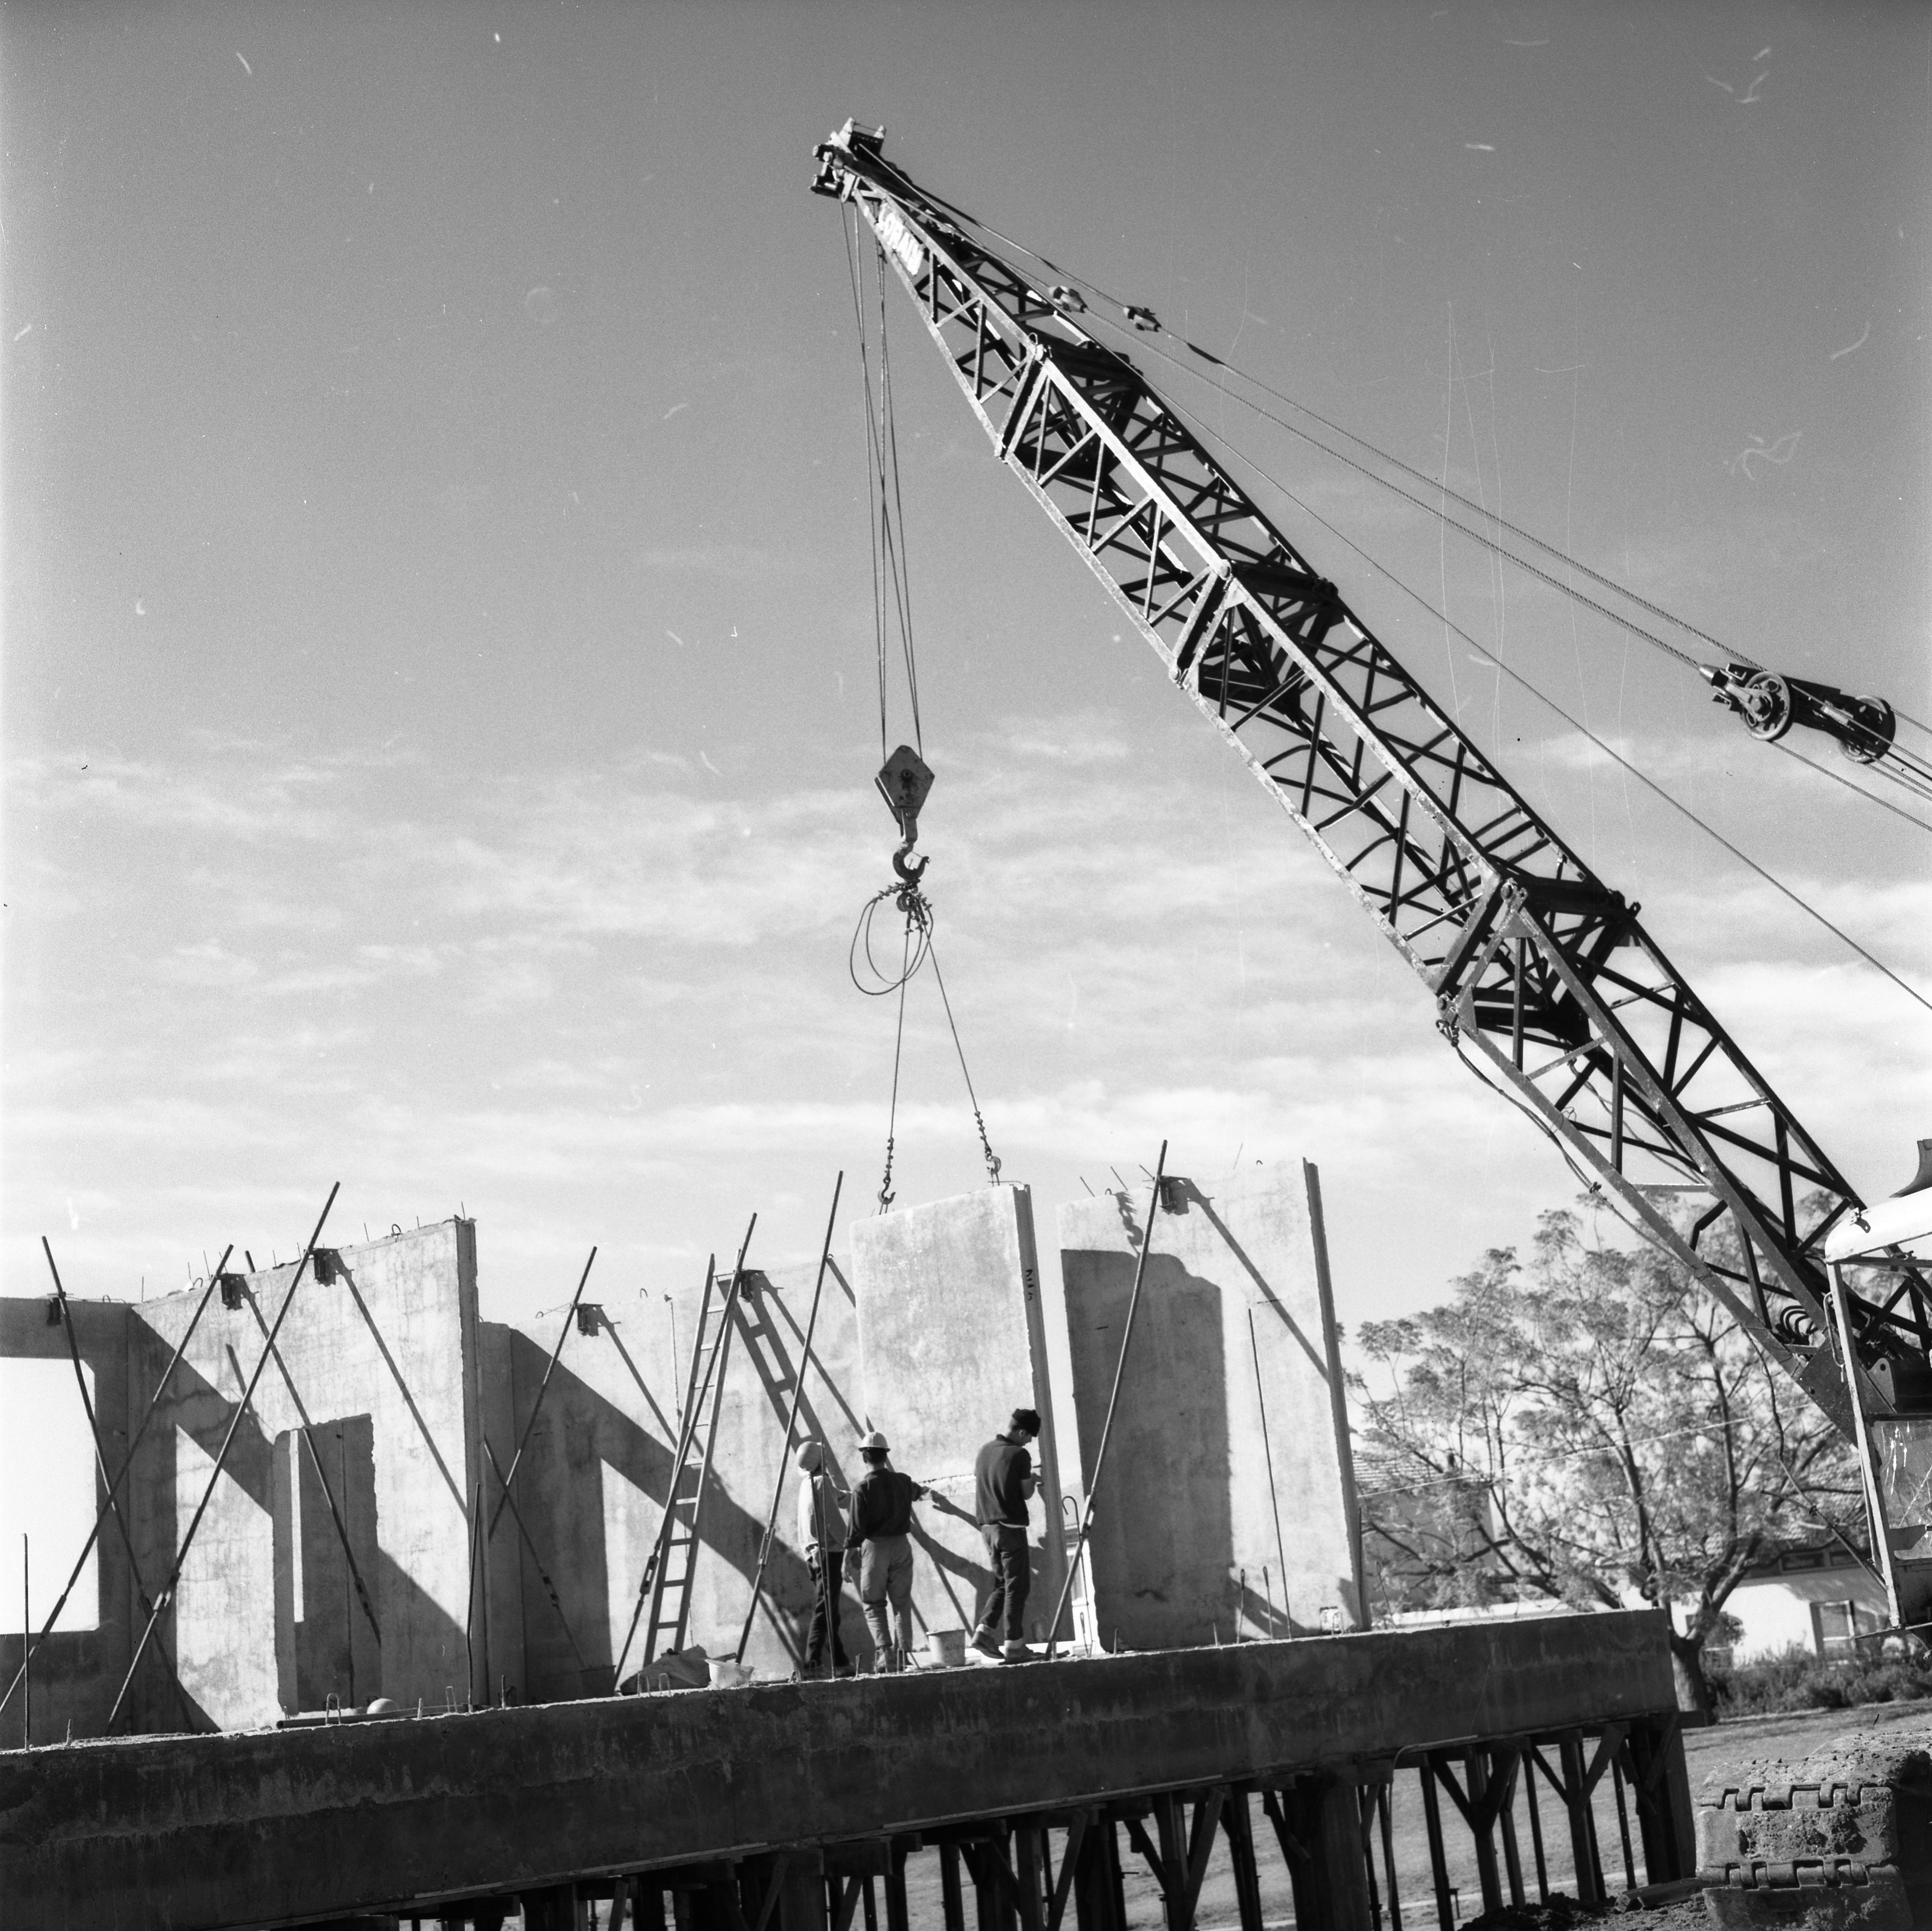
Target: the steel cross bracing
(1542, 974)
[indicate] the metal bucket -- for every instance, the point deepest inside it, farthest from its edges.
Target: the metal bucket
(946, 1647)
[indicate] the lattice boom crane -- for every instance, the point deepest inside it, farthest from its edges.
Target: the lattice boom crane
(1544, 976)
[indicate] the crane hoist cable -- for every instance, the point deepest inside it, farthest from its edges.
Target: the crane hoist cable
(1576, 724)
(892, 593)
(904, 779)
(1768, 703)
(1906, 775)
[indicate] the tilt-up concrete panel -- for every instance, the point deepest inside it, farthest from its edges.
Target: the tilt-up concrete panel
(597, 1468)
(268, 1615)
(1225, 1507)
(951, 1339)
(78, 1669)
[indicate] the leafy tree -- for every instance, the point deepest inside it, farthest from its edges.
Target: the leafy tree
(1592, 1427)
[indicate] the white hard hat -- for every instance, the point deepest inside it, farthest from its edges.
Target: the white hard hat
(874, 1440)
(809, 1455)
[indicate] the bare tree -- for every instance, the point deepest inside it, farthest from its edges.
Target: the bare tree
(1591, 1427)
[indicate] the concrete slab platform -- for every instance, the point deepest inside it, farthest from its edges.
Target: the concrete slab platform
(269, 1827)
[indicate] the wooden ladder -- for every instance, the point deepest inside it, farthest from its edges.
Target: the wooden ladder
(673, 1562)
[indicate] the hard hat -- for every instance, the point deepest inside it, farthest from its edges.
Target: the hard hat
(809, 1455)
(874, 1440)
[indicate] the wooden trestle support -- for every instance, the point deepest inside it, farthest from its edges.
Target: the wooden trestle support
(1565, 1796)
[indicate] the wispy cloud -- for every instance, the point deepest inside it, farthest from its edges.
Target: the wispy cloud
(613, 1003)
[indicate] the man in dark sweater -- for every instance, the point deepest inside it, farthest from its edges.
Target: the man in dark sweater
(881, 1547)
(1003, 1480)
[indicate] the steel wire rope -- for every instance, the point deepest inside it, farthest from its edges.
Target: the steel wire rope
(1361, 442)
(889, 982)
(992, 1160)
(1479, 511)
(892, 591)
(852, 261)
(892, 587)
(1911, 772)
(886, 1194)
(1583, 730)
(1839, 778)
(902, 568)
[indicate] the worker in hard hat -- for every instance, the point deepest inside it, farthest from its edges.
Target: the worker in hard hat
(1003, 1481)
(821, 1534)
(880, 1548)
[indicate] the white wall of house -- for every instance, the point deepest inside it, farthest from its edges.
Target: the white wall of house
(1780, 1612)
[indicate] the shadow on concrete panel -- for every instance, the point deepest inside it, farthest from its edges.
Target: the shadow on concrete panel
(1310, 1345)
(778, 1374)
(328, 1642)
(195, 1407)
(579, 1434)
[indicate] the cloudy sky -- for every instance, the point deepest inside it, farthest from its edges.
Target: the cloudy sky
(439, 716)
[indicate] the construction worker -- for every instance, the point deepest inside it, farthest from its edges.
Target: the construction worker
(1003, 1480)
(880, 1549)
(821, 1534)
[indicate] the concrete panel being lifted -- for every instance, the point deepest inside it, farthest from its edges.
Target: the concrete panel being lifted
(951, 1339)
(1226, 1505)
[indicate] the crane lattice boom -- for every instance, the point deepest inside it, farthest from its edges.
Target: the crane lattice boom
(1544, 976)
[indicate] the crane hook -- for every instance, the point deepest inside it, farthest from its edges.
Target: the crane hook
(909, 874)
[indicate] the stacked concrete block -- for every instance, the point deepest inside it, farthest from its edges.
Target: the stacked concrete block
(1841, 1838)
(1225, 1507)
(953, 1337)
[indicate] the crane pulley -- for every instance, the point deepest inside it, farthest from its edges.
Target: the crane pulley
(1770, 704)
(1545, 982)
(904, 781)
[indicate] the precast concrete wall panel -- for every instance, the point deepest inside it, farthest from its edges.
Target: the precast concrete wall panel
(77, 1670)
(598, 1468)
(951, 1339)
(751, 1457)
(1224, 1508)
(404, 1451)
